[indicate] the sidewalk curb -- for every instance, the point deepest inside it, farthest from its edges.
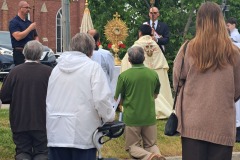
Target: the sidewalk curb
(235, 156)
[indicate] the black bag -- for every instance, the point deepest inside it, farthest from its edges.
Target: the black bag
(171, 125)
(172, 122)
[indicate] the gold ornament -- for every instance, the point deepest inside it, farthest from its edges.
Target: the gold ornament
(116, 30)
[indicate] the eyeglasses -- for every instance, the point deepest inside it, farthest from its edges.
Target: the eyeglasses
(26, 7)
(153, 12)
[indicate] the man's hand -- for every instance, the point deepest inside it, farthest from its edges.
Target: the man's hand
(33, 26)
(21, 35)
(154, 38)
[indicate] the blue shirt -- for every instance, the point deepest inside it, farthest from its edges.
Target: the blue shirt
(17, 24)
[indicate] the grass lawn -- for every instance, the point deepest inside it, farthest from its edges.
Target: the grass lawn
(169, 146)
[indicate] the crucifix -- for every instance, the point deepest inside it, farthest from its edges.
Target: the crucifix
(117, 16)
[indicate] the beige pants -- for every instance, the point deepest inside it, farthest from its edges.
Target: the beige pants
(141, 141)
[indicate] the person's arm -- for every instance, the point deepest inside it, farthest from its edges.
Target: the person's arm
(157, 88)
(164, 38)
(110, 66)
(237, 77)
(6, 90)
(101, 95)
(18, 35)
(119, 88)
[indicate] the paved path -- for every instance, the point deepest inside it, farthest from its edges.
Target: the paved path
(236, 156)
(5, 106)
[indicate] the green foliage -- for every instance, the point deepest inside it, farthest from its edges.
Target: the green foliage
(103, 11)
(172, 12)
(134, 13)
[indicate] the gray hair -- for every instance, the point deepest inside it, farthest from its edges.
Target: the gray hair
(136, 55)
(84, 43)
(33, 50)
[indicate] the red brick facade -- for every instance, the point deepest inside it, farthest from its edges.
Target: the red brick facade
(45, 15)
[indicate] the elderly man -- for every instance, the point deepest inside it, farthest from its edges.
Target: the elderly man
(103, 57)
(25, 88)
(155, 60)
(22, 30)
(139, 86)
(78, 102)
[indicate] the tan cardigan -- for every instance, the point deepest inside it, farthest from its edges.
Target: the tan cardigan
(207, 111)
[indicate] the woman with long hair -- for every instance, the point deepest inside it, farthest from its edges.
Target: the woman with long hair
(209, 86)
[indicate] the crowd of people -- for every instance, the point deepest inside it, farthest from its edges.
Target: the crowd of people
(55, 111)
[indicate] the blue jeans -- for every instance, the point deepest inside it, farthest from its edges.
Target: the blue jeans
(61, 153)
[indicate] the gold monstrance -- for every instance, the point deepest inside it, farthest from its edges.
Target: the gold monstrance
(116, 31)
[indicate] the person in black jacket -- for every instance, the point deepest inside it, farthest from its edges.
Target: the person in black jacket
(160, 29)
(25, 89)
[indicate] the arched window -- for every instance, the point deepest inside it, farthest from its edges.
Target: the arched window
(59, 42)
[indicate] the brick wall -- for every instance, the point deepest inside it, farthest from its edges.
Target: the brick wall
(46, 21)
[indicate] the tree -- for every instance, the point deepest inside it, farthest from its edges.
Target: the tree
(180, 15)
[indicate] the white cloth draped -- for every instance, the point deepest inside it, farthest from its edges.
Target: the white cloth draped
(86, 21)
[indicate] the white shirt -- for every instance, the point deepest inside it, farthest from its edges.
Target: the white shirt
(106, 60)
(235, 36)
(78, 100)
(155, 24)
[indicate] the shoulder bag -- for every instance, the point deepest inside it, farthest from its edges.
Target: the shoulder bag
(172, 122)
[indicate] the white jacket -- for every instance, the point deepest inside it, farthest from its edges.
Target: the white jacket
(78, 100)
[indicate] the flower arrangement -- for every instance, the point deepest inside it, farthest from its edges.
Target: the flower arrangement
(117, 48)
(99, 44)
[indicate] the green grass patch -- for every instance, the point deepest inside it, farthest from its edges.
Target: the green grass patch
(169, 146)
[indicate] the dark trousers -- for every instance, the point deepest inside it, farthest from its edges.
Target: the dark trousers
(31, 145)
(18, 57)
(61, 153)
(201, 150)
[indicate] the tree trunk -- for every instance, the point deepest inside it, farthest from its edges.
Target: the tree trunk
(189, 21)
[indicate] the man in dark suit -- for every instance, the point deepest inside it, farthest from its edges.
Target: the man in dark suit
(160, 29)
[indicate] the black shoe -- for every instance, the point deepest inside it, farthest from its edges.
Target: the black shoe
(238, 135)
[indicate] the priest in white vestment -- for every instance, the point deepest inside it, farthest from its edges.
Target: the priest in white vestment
(154, 59)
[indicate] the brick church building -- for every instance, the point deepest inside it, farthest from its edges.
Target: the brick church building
(48, 16)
